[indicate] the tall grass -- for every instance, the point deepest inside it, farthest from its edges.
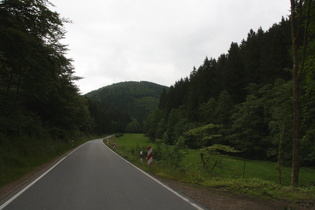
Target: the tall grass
(20, 155)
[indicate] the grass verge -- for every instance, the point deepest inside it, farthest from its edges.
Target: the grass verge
(20, 156)
(249, 177)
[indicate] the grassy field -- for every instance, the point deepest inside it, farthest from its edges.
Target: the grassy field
(232, 167)
(258, 178)
(129, 141)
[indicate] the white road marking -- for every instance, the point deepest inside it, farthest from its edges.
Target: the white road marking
(36, 180)
(160, 183)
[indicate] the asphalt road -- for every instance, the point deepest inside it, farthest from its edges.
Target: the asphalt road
(94, 177)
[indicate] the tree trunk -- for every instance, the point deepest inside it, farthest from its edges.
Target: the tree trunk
(295, 75)
(280, 155)
(244, 167)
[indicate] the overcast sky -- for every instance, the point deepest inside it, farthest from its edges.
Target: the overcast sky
(156, 40)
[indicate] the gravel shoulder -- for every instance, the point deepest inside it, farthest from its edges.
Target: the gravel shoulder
(219, 199)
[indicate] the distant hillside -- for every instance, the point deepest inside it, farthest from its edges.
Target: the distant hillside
(136, 99)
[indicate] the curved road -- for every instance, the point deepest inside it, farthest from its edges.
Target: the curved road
(94, 177)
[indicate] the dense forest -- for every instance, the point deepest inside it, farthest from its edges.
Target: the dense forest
(122, 107)
(242, 99)
(38, 94)
(42, 113)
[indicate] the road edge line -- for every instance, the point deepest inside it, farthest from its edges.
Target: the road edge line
(159, 182)
(36, 180)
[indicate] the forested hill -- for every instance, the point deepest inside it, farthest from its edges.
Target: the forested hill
(134, 100)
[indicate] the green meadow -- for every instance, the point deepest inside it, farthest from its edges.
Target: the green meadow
(233, 167)
(250, 177)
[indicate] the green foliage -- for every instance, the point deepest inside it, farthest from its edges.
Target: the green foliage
(279, 109)
(133, 127)
(210, 156)
(206, 111)
(218, 148)
(106, 119)
(201, 131)
(35, 75)
(174, 128)
(223, 111)
(170, 156)
(249, 128)
(201, 136)
(266, 189)
(155, 125)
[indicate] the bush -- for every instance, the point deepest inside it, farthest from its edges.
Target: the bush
(170, 156)
(210, 156)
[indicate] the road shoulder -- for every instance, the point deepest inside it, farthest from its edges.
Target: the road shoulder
(9, 190)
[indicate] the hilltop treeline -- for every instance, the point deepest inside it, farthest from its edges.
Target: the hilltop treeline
(124, 106)
(247, 93)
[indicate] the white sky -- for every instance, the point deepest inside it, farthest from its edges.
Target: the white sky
(156, 40)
